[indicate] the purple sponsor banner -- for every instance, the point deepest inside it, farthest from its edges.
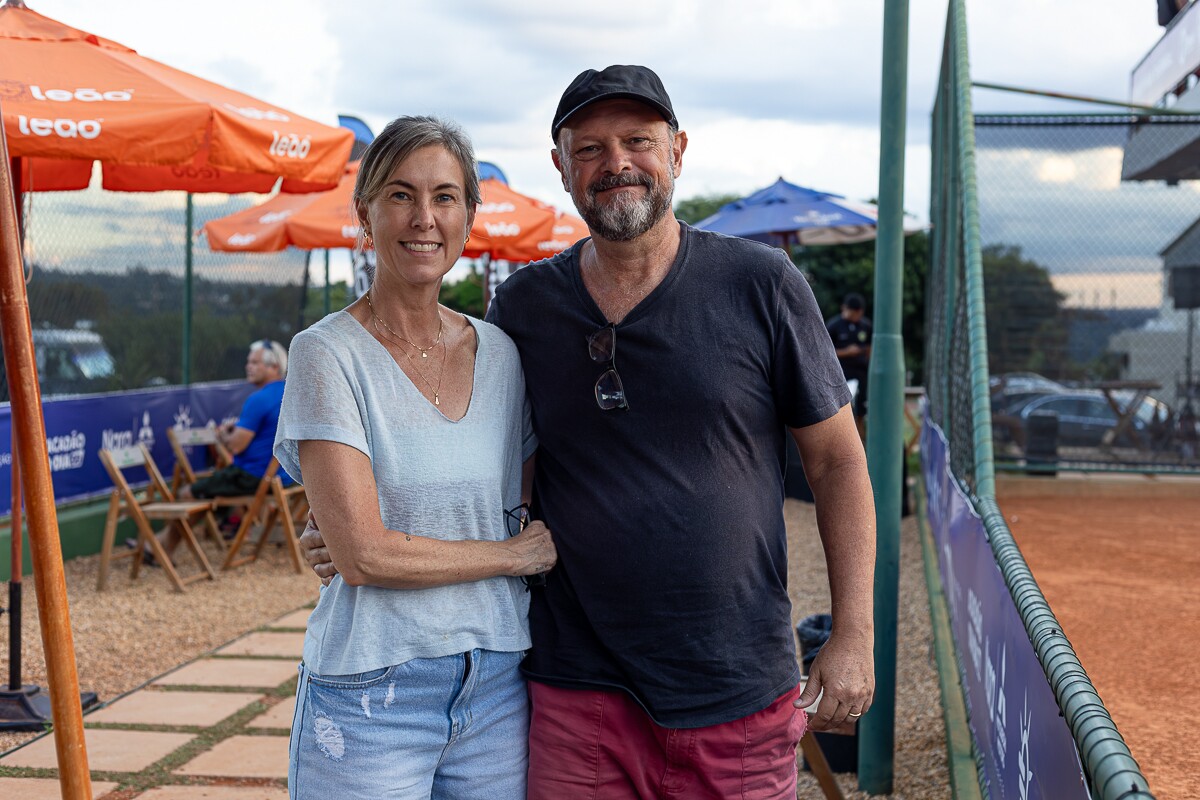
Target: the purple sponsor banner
(1026, 747)
(77, 428)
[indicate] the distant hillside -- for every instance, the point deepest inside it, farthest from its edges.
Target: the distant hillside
(1089, 329)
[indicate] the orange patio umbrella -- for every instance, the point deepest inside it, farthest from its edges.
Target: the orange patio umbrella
(508, 226)
(72, 98)
(566, 231)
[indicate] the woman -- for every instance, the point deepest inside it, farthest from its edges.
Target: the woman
(407, 424)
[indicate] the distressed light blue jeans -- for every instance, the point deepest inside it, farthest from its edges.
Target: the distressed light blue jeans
(440, 728)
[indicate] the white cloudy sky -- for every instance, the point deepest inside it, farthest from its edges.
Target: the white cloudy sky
(764, 89)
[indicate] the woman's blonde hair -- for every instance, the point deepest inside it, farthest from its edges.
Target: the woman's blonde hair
(400, 139)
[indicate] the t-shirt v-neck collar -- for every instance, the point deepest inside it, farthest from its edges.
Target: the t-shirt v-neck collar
(412, 383)
(643, 307)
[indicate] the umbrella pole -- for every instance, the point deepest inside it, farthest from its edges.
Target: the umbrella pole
(16, 525)
(304, 291)
(326, 303)
(187, 293)
(15, 568)
(45, 548)
(486, 260)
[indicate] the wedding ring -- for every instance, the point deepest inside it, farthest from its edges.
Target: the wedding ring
(852, 714)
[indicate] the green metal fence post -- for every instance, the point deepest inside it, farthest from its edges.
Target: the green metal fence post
(187, 293)
(885, 428)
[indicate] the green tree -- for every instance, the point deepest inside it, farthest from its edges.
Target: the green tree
(314, 306)
(694, 209)
(62, 303)
(1026, 327)
(464, 296)
(836, 270)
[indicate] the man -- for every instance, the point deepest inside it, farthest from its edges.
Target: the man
(851, 335)
(663, 365)
(250, 439)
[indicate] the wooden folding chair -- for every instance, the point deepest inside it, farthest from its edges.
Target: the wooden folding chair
(125, 503)
(183, 474)
(277, 503)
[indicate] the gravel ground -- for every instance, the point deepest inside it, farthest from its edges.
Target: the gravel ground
(921, 770)
(136, 631)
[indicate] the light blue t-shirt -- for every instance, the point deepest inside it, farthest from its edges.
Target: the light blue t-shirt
(436, 478)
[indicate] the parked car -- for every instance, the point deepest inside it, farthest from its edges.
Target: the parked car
(69, 361)
(1084, 418)
(1014, 389)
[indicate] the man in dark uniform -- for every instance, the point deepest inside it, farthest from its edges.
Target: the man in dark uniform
(851, 334)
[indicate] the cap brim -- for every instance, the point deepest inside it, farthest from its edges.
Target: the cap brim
(665, 112)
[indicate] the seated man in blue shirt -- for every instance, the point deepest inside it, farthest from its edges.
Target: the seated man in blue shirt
(250, 439)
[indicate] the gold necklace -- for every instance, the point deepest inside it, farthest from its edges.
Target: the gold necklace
(424, 351)
(437, 400)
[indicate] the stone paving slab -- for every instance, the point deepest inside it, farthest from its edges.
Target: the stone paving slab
(230, 672)
(296, 619)
(278, 716)
(242, 757)
(267, 643)
(49, 788)
(146, 707)
(107, 751)
(213, 793)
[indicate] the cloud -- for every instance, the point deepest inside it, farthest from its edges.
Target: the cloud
(1072, 213)
(763, 88)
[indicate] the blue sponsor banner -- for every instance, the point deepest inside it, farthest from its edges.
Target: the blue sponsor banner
(1027, 750)
(77, 428)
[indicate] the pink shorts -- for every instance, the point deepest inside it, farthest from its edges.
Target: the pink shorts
(590, 745)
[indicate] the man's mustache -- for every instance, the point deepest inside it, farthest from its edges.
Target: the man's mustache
(620, 179)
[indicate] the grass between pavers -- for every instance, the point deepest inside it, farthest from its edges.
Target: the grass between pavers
(187, 687)
(160, 773)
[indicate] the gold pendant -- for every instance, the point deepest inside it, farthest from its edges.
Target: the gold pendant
(436, 401)
(424, 354)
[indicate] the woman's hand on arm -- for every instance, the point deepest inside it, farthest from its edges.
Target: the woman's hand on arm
(343, 495)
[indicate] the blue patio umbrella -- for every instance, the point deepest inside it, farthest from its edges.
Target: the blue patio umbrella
(784, 214)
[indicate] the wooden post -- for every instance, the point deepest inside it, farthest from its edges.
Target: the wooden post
(44, 546)
(820, 767)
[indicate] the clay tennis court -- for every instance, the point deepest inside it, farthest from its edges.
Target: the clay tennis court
(1118, 558)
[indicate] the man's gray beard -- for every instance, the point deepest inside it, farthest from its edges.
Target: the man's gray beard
(626, 218)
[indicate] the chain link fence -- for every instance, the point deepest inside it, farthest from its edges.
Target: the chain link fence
(962, 323)
(1090, 361)
(106, 281)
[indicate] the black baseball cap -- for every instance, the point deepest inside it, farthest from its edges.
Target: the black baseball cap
(612, 83)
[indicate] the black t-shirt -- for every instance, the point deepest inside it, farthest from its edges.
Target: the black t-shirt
(672, 575)
(844, 333)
